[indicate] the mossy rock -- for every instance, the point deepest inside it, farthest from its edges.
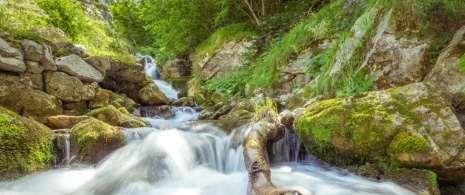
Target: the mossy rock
(130, 121)
(410, 126)
(108, 114)
(95, 140)
(237, 114)
(25, 145)
(422, 182)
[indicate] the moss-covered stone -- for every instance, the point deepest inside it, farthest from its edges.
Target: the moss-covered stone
(25, 145)
(130, 121)
(108, 114)
(123, 110)
(411, 126)
(422, 182)
(95, 140)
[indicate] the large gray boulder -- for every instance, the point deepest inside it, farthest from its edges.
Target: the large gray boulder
(446, 74)
(411, 125)
(127, 72)
(75, 66)
(150, 95)
(65, 87)
(102, 64)
(32, 50)
(11, 59)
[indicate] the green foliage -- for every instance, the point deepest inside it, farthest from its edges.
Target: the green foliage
(233, 83)
(462, 63)
(20, 15)
(404, 142)
(19, 34)
(66, 15)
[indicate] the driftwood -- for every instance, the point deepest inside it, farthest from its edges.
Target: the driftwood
(257, 167)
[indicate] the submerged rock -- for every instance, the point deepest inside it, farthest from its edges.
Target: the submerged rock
(94, 140)
(25, 145)
(412, 125)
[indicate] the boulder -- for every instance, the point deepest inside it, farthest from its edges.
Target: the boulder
(64, 121)
(412, 126)
(102, 64)
(36, 79)
(75, 66)
(446, 74)
(32, 50)
(101, 98)
(34, 67)
(15, 92)
(176, 68)
(130, 121)
(79, 108)
(128, 72)
(25, 145)
(11, 59)
(94, 139)
(108, 114)
(47, 58)
(89, 91)
(41, 105)
(63, 86)
(163, 111)
(185, 101)
(237, 114)
(150, 95)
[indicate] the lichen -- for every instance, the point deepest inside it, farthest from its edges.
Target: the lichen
(25, 145)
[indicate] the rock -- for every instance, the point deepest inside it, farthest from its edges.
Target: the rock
(101, 64)
(422, 182)
(214, 112)
(52, 45)
(34, 67)
(176, 68)
(446, 75)
(36, 79)
(411, 125)
(94, 140)
(79, 108)
(127, 72)
(47, 58)
(88, 91)
(32, 50)
(224, 59)
(50, 33)
(397, 62)
(150, 95)
(287, 118)
(163, 111)
(130, 121)
(65, 87)
(294, 72)
(108, 114)
(15, 92)
(11, 59)
(41, 105)
(75, 66)
(185, 101)
(237, 114)
(64, 121)
(25, 145)
(101, 99)
(70, 47)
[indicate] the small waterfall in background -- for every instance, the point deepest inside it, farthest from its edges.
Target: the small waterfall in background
(196, 159)
(152, 70)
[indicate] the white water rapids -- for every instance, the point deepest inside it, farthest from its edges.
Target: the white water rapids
(152, 71)
(176, 158)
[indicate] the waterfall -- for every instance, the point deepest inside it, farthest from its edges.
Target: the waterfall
(183, 158)
(152, 70)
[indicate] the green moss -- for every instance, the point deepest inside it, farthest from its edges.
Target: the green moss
(123, 110)
(405, 142)
(25, 145)
(108, 114)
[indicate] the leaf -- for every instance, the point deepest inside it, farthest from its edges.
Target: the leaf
(462, 63)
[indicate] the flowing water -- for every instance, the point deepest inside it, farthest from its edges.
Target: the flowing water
(151, 69)
(176, 158)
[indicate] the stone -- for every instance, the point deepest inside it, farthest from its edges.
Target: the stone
(50, 33)
(25, 146)
(34, 67)
(185, 101)
(41, 105)
(237, 114)
(64, 121)
(286, 118)
(63, 86)
(102, 64)
(70, 48)
(11, 59)
(176, 68)
(36, 79)
(93, 140)
(101, 99)
(79, 108)
(163, 111)
(47, 58)
(150, 95)
(75, 66)
(32, 50)
(411, 125)
(108, 114)
(130, 121)
(89, 91)
(52, 45)
(15, 92)
(127, 72)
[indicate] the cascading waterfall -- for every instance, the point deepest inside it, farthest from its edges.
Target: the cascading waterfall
(152, 71)
(176, 158)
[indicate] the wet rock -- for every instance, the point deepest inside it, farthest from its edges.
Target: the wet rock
(26, 146)
(11, 59)
(237, 114)
(412, 125)
(185, 101)
(287, 118)
(150, 95)
(65, 121)
(93, 140)
(75, 66)
(65, 87)
(108, 114)
(163, 111)
(130, 121)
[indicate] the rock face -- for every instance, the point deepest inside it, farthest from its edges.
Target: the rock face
(65, 87)
(446, 74)
(95, 140)
(411, 125)
(75, 66)
(11, 59)
(176, 68)
(25, 145)
(224, 59)
(294, 72)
